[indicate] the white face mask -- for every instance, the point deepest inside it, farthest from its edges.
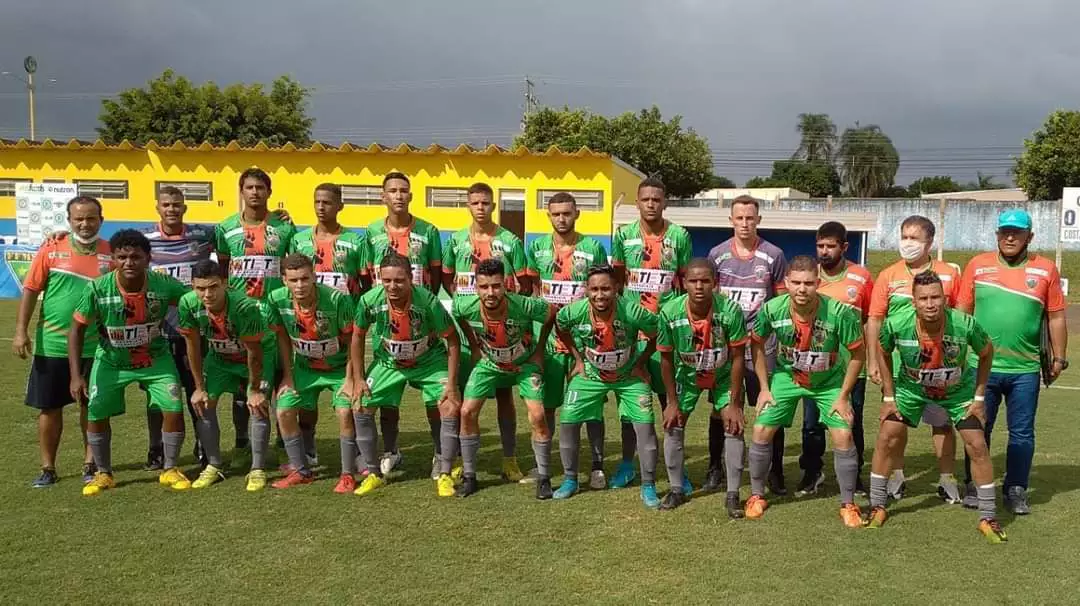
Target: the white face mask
(911, 250)
(82, 240)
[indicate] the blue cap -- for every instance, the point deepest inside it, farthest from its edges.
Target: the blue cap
(1015, 218)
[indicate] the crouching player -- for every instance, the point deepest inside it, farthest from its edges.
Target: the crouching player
(242, 353)
(702, 340)
(934, 342)
(810, 330)
(499, 328)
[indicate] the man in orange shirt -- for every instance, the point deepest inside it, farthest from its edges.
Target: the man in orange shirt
(850, 284)
(892, 293)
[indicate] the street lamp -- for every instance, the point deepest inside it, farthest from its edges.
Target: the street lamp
(30, 66)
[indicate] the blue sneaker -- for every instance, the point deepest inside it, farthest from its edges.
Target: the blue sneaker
(649, 497)
(567, 489)
(624, 475)
(687, 487)
(46, 479)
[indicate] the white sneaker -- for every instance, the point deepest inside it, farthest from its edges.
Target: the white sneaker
(597, 479)
(895, 486)
(530, 478)
(389, 462)
(434, 467)
(949, 490)
(312, 461)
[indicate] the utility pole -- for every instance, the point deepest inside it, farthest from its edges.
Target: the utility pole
(531, 102)
(30, 66)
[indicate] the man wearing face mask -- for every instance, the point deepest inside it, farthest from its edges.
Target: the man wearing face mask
(892, 294)
(1010, 292)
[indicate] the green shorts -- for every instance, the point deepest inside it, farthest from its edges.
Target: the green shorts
(556, 366)
(486, 378)
(309, 384)
(228, 377)
(387, 383)
(107, 384)
(786, 396)
(912, 406)
(585, 400)
(688, 395)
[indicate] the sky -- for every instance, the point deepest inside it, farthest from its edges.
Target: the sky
(956, 84)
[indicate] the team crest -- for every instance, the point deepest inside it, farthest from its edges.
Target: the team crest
(496, 252)
(339, 255)
(579, 265)
(535, 381)
(645, 401)
(759, 272)
(174, 391)
(322, 323)
(952, 350)
(414, 248)
(851, 292)
(1031, 283)
(667, 254)
(717, 334)
(193, 247)
(153, 306)
(819, 336)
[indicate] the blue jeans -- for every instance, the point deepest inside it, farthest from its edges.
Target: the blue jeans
(1021, 394)
(813, 432)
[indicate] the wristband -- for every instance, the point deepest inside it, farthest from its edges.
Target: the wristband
(980, 398)
(890, 399)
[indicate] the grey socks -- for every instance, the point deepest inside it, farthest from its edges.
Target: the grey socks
(733, 461)
(448, 435)
(470, 447)
(846, 465)
(294, 448)
(260, 441)
(879, 493)
(348, 454)
(542, 452)
(674, 456)
(987, 505)
(647, 451)
(569, 442)
(210, 436)
(365, 440)
(173, 441)
(101, 447)
(760, 460)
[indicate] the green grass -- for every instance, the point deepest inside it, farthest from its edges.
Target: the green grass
(144, 544)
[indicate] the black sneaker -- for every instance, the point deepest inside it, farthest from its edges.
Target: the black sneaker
(1016, 500)
(734, 507)
(714, 478)
(47, 478)
(776, 484)
(860, 488)
(971, 496)
(543, 488)
(88, 471)
(810, 484)
(467, 487)
(672, 500)
(155, 459)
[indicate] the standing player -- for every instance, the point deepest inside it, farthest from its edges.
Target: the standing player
(557, 265)
(407, 325)
(701, 339)
(242, 357)
(499, 328)
(60, 271)
(1009, 293)
(482, 240)
(314, 325)
(126, 308)
(650, 256)
(850, 284)
(811, 330)
(750, 271)
(891, 294)
(338, 254)
(601, 333)
(934, 342)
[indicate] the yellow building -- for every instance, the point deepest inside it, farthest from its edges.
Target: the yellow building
(126, 177)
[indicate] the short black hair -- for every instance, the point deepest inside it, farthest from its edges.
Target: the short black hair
(600, 270)
(652, 182)
(390, 176)
(297, 261)
(926, 278)
(254, 173)
(701, 263)
(920, 221)
(129, 238)
(85, 200)
(172, 191)
(333, 188)
(481, 188)
(395, 259)
(206, 268)
(832, 229)
(491, 267)
(562, 198)
(802, 263)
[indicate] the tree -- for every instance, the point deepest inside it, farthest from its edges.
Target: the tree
(680, 157)
(868, 161)
(718, 182)
(817, 138)
(170, 108)
(982, 182)
(818, 179)
(1051, 157)
(933, 185)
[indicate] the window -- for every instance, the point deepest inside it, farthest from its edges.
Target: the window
(103, 190)
(198, 191)
(370, 195)
(587, 199)
(447, 197)
(7, 186)
(512, 199)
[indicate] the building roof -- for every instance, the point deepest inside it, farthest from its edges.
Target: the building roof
(761, 193)
(791, 220)
(1014, 194)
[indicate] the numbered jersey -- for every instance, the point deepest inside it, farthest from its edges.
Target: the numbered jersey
(177, 255)
(809, 351)
(320, 337)
(243, 320)
(254, 252)
(507, 343)
(420, 242)
(129, 324)
(652, 262)
(701, 347)
(463, 252)
(935, 368)
(339, 260)
(62, 273)
(608, 347)
(404, 338)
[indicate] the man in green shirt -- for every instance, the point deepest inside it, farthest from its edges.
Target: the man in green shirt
(338, 254)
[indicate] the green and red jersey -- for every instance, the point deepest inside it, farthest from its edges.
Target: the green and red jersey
(808, 350)
(701, 346)
(321, 335)
(242, 320)
(1009, 301)
(608, 347)
(129, 324)
(463, 252)
(935, 368)
(62, 272)
(562, 271)
(339, 259)
(404, 338)
(652, 261)
(419, 242)
(254, 252)
(507, 342)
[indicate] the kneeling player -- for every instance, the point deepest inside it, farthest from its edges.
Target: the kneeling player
(314, 325)
(499, 327)
(810, 330)
(407, 325)
(242, 352)
(702, 341)
(601, 333)
(126, 307)
(934, 342)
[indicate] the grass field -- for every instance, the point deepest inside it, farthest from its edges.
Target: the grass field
(144, 544)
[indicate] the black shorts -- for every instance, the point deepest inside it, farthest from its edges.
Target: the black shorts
(48, 387)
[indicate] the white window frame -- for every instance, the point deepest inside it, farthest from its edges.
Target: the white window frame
(8, 185)
(361, 195)
(516, 196)
(194, 191)
(103, 189)
(587, 199)
(447, 197)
